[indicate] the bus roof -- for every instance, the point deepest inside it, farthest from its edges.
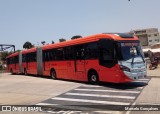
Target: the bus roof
(29, 50)
(114, 36)
(12, 55)
(96, 37)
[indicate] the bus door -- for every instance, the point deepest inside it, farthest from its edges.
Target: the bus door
(70, 62)
(80, 69)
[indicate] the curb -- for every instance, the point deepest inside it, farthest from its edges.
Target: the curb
(153, 76)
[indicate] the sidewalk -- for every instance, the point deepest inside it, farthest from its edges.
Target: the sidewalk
(151, 93)
(153, 73)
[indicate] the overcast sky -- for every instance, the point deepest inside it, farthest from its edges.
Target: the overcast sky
(47, 20)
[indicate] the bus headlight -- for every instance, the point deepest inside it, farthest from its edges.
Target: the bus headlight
(124, 68)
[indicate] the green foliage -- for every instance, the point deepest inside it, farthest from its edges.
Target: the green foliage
(62, 40)
(28, 45)
(52, 42)
(4, 55)
(18, 50)
(76, 37)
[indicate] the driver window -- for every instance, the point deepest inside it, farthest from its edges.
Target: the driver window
(106, 54)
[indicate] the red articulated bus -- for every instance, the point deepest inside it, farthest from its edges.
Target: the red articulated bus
(107, 57)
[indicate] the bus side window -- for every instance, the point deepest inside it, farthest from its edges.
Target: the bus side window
(106, 54)
(92, 51)
(11, 60)
(69, 53)
(23, 57)
(45, 55)
(31, 57)
(107, 49)
(34, 57)
(80, 52)
(52, 54)
(59, 54)
(16, 59)
(28, 57)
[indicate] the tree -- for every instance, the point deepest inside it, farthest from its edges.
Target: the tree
(18, 50)
(43, 42)
(62, 40)
(76, 37)
(4, 55)
(28, 45)
(52, 42)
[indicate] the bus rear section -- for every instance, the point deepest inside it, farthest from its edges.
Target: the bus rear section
(14, 63)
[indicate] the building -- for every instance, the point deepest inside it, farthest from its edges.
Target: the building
(147, 37)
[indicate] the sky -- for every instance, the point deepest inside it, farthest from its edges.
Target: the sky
(49, 20)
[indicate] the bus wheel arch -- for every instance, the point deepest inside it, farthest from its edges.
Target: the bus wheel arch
(93, 77)
(53, 73)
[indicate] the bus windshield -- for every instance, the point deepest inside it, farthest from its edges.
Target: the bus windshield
(130, 50)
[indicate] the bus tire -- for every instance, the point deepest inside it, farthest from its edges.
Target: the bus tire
(11, 71)
(53, 74)
(93, 77)
(25, 72)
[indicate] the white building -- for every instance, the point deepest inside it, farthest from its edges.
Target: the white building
(147, 37)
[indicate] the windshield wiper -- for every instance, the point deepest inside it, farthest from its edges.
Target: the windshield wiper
(132, 59)
(133, 55)
(141, 56)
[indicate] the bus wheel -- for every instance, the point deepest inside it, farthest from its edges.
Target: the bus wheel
(11, 71)
(25, 72)
(93, 78)
(53, 74)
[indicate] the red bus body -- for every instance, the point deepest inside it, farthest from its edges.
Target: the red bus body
(13, 66)
(29, 67)
(67, 62)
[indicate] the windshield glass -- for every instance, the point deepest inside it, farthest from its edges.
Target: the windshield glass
(130, 50)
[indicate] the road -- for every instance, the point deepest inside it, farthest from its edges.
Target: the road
(71, 96)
